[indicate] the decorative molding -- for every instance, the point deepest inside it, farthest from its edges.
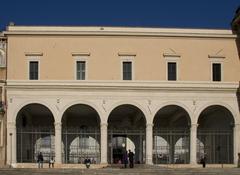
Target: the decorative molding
(33, 54)
(123, 85)
(126, 54)
(80, 53)
(117, 31)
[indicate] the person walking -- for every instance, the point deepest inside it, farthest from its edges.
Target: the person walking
(40, 160)
(131, 159)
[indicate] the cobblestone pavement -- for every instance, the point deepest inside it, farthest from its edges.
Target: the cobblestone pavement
(118, 171)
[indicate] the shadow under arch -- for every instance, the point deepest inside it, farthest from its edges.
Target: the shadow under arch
(35, 128)
(172, 123)
(215, 135)
(81, 134)
(126, 130)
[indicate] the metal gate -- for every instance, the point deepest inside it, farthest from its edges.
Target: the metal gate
(120, 141)
(171, 146)
(80, 144)
(215, 145)
(33, 140)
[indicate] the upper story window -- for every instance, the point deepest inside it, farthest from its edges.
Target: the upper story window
(81, 60)
(217, 61)
(172, 60)
(216, 72)
(33, 70)
(2, 59)
(81, 70)
(172, 71)
(127, 66)
(33, 65)
(127, 70)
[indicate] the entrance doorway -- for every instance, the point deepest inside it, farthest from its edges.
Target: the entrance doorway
(126, 131)
(118, 147)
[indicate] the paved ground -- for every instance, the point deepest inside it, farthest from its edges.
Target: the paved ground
(119, 171)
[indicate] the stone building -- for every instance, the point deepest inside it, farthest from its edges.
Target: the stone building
(169, 95)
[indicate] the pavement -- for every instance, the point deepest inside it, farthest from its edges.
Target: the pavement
(121, 171)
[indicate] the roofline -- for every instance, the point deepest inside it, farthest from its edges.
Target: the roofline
(118, 31)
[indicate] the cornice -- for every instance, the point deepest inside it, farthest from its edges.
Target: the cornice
(118, 31)
(123, 85)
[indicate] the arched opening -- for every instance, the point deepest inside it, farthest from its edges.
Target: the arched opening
(215, 135)
(126, 131)
(35, 133)
(171, 133)
(81, 134)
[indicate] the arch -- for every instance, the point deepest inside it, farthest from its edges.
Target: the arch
(173, 103)
(224, 105)
(91, 105)
(132, 103)
(22, 105)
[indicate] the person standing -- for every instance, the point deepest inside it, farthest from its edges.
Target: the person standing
(40, 160)
(125, 159)
(131, 159)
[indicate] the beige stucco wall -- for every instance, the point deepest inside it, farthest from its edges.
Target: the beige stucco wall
(57, 62)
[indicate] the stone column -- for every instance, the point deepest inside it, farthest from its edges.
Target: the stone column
(11, 143)
(58, 142)
(104, 144)
(149, 143)
(193, 144)
(236, 148)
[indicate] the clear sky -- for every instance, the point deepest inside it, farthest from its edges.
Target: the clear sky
(141, 13)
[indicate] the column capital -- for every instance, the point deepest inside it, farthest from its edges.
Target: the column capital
(58, 125)
(149, 125)
(11, 125)
(194, 125)
(104, 124)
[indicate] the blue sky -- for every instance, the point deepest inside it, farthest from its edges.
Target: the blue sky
(141, 13)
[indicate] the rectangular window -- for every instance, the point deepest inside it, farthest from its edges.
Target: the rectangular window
(216, 72)
(33, 70)
(81, 70)
(127, 70)
(172, 71)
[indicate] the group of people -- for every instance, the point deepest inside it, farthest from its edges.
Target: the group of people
(128, 156)
(40, 161)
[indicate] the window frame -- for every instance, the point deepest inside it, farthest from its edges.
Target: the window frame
(172, 59)
(127, 59)
(221, 73)
(81, 59)
(34, 59)
(216, 59)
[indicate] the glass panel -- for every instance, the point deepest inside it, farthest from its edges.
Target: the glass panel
(216, 71)
(127, 70)
(172, 71)
(81, 69)
(33, 70)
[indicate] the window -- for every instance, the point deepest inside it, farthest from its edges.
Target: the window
(81, 70)
(172, 71)
(2, 59)
(127, 70)
(33, 70)
(216, 72)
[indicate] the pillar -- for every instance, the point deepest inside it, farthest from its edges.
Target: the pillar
(149, 143)
(193, 144)
(58, 142)
(236, 148)
(11, 143)
(104, 143)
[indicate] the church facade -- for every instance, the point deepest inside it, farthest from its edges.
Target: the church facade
(168, 95)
